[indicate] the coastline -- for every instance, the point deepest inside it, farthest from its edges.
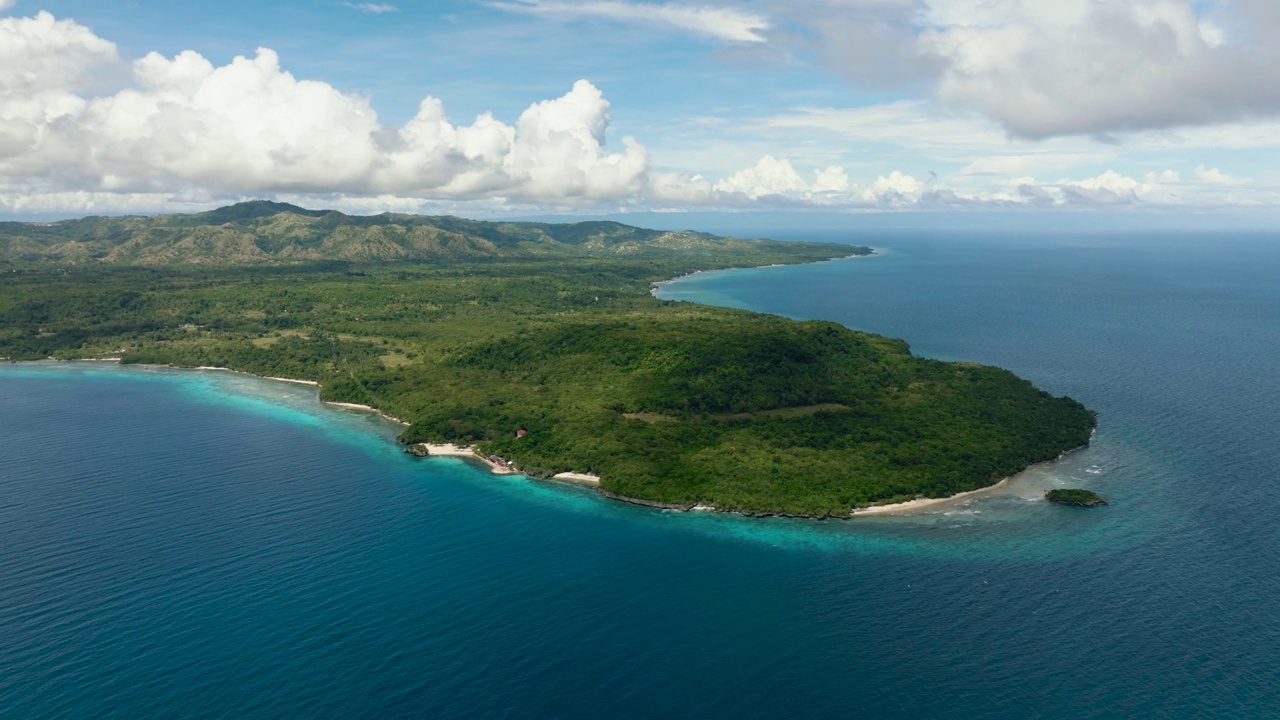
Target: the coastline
(351, 406)
(311, 383)
(499, 466)
(901, 508)
(921, 503)
(910, 506)
(241, 372)
(656, 286)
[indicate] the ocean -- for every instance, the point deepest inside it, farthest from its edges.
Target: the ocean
(203, 544)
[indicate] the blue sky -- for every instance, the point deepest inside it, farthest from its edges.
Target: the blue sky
(602, 106)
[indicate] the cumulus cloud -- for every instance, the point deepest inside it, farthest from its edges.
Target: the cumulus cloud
(831, 180)
(1214, 176)
(769, 176)
(1096, 67)
(556, 150)
(250, 126)
(1108, 189)
(721, 23)
(42, 54)
(896, 189)
(776, 180)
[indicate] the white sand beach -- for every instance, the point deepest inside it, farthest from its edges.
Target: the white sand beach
(469, 453)
(581, 478)
(922, 503)
(366, 408)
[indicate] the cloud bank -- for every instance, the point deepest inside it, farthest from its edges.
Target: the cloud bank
(83, 129)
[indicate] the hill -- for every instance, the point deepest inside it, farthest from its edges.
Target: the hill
(263, 232)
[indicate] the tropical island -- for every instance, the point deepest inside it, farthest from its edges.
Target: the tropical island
(540, 345)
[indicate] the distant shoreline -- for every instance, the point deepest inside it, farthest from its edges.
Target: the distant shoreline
(654, 287)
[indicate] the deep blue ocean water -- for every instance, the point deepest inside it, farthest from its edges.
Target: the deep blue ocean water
(186, 544)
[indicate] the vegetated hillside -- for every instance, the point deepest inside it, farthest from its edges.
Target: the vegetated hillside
(264, 232)
(668, 402)
(753, 413)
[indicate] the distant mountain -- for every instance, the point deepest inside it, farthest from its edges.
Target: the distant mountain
(263, 232)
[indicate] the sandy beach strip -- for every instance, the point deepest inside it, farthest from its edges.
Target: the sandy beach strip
(312, 383)
(468, 453)
(449, 450)
(922, 503)
(580, 478)
(366, 408)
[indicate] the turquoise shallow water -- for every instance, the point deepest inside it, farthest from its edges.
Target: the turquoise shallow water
(206, 544)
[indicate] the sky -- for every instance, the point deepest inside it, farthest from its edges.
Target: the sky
(579, 107)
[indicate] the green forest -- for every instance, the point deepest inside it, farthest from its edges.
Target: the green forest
(560, 336)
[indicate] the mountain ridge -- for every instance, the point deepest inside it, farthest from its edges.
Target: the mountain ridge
(268, 232)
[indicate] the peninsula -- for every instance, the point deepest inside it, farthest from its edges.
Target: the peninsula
(539, 346)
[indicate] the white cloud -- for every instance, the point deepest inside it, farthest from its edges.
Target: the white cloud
(896, 189)
(43, 55)
(832, 179)
(1213, 176)
(555, 151)
(252, 127)
(7, 4)
(776, 180)
(1069, 67)
(769, 176)
(668, 187)
(1109, 188)
(373, 8)
(721, 23)
(81, 130)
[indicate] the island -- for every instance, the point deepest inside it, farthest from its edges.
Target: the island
(539, 347)
(1076, 497)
